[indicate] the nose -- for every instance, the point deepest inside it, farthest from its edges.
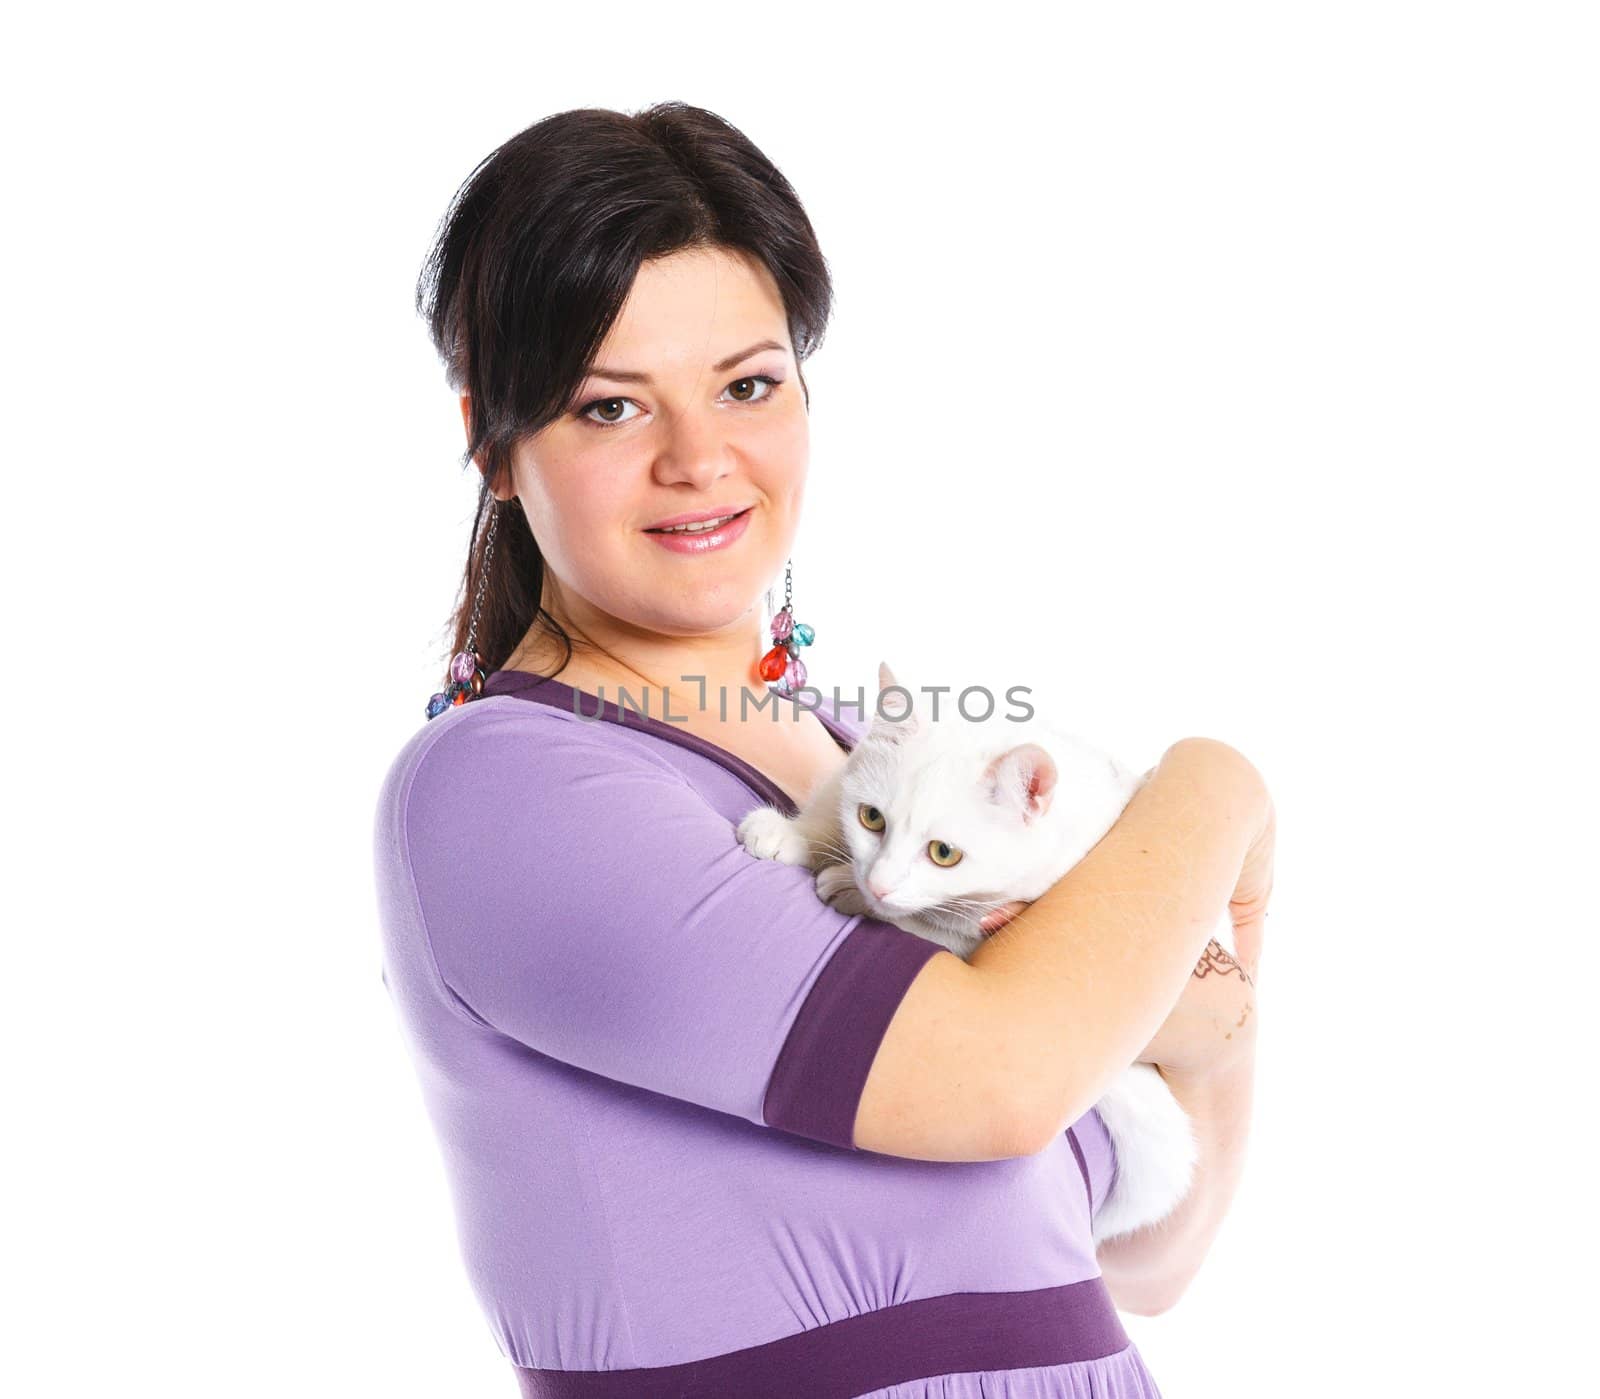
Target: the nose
(693, 452)
(876, 889)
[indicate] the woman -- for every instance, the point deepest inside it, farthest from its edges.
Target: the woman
(707, 1135)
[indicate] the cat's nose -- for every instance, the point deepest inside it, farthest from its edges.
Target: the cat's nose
(877, 890)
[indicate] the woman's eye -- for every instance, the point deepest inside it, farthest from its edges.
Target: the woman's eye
(744, 391)
(588, 408)
(871, 817)
(753, 380)
(943, 853)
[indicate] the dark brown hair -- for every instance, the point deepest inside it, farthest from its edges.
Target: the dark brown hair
(532, 264)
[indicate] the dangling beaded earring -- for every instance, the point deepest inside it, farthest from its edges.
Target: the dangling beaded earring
(466, 675)
(782, 664)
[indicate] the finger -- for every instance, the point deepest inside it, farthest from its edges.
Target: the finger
(1248, 936)
(999, 917)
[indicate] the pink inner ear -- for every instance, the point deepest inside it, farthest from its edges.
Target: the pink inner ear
(1041, 784)
(1025, 776)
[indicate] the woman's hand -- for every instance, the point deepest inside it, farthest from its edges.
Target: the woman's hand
(1000, 915)
(1248, 906)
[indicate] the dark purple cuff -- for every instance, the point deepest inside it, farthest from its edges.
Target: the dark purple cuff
(816, 1084)
(1097, 1156)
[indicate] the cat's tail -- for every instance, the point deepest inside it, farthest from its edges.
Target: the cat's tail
(1155, 1149)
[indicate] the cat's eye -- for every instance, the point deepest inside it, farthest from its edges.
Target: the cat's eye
(943, 853)
(871, 817)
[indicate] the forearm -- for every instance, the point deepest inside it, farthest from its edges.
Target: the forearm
(1148, 1270)
(1081, 979)
(1213, 1022)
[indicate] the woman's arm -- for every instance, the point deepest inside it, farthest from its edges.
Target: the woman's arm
(1206, 1054)
(1024, 1037)
(1148, 1270)
(1213, 1021)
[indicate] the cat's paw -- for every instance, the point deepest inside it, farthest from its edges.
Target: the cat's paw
(770, 835)
(837, 886)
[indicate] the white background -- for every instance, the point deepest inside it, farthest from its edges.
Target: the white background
(1222, 369)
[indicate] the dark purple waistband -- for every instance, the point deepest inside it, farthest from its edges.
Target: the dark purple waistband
(948, 1335)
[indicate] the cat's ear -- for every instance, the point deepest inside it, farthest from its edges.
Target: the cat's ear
(1022, 778)
(891, 729)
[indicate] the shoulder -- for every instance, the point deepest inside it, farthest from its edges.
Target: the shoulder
(502, 747)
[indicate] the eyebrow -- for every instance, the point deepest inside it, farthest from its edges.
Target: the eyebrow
(629, 376)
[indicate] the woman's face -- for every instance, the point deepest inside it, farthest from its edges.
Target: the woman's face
(677, 419)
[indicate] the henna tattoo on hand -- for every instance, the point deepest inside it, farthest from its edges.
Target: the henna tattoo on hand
(1216, 958)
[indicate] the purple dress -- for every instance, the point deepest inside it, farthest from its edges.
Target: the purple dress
(642, 1049)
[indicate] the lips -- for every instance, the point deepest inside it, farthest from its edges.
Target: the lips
(711, 534)
(701, 520)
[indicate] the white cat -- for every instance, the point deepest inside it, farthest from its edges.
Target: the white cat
(932, 823)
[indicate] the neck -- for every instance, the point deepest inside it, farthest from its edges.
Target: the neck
(700, 674)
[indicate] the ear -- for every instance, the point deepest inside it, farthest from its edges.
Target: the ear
(466, 423)
(894, 730)
(1023, 778)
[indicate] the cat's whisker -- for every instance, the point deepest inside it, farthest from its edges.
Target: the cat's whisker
(970, 902)
(840, 853)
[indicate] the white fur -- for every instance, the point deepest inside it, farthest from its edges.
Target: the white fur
(1023, 802)
(1155, 1148)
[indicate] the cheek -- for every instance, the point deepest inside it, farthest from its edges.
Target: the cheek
(981, 876)
(779, 449)
(858, 840)
(571, 508)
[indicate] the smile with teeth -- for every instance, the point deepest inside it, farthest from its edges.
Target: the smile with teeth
(699, 526)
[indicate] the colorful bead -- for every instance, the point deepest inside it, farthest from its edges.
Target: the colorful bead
(782, 625)
(792, 646)
(793, 678)
(462, 666)
(773, 663)
(437, 704)
(803, 634)
(478, 677)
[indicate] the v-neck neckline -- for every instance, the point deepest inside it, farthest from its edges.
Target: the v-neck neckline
(545, 689)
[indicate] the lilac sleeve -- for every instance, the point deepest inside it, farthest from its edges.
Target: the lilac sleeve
(581, 897)
(1099, 1157)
